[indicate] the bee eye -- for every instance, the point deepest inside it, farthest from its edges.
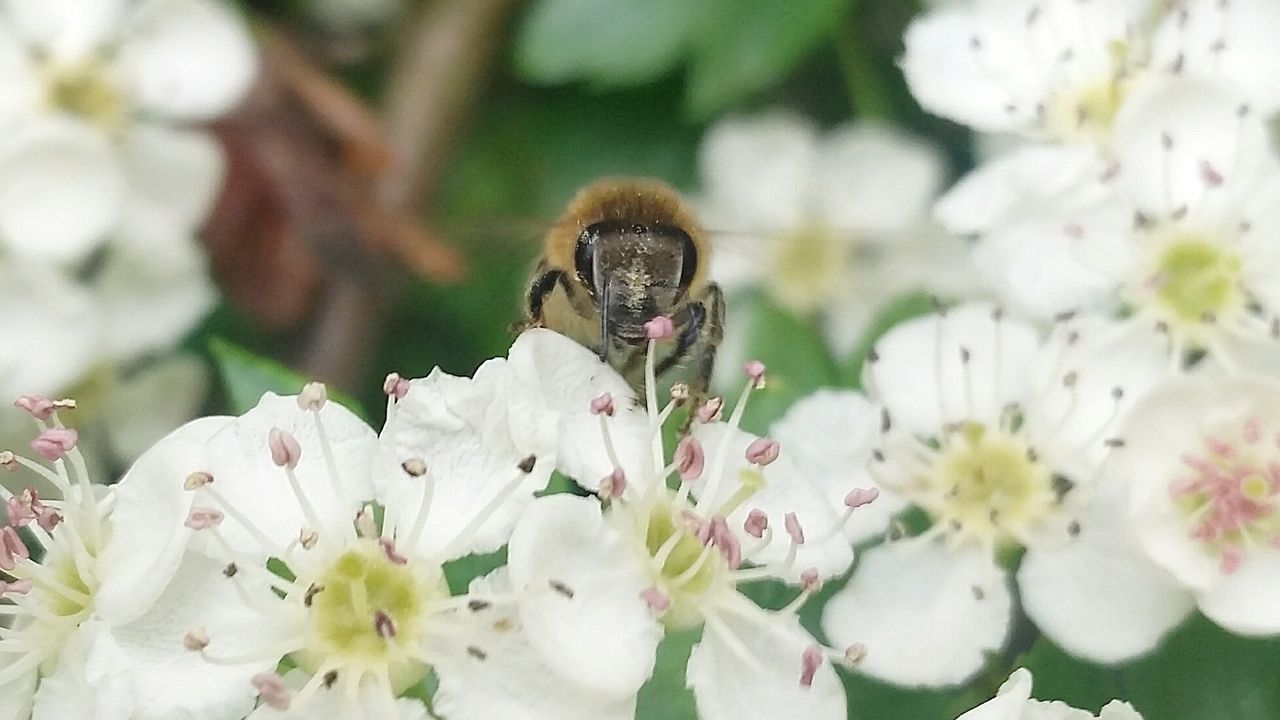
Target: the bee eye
(584, 256)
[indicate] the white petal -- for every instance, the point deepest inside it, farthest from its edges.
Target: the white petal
(758, 171)
(149, 539)
(1245, 601)
(964, 365)
(1010, 700)
(463, 430)
(178, 170)
(1233, 41)
(61, 190)
(67, 29)
(92, 679)
(748, 665)
(513, 682)
(169, 680)
(927, 615)
(153, 286)
(187, 59)
(334, 704)
(836, 462)
(604, 636)
(52, 331)
(1172, 134)
(1117, 710)
(16, 697)
(1097, 595)
(239, 459)
(787, 487)
(22, 89)
(554, 381)
(144, 404)
(875, 181)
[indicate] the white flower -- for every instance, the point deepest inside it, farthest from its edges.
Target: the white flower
(1013, 702)
(1176, 233)
(360, 604)
(87, 127)
(834, 224)
(1201, 469)
(92, 628)
(998, 437)
(646, 558)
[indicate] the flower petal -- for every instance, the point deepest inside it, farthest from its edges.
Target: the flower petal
(465, 433)
(143, 405)
(61, 190)
(176, 169)
(187, 59)
(601, 633)
(967, 364)
(370, 701)
(91, 680)
(758, 172)
(928, 615)
(66, 29)
(1234, 42)
(51, 327)
(876, 182)
(749, 664)
(1245, 601)
(17, 696)
(1010, 701)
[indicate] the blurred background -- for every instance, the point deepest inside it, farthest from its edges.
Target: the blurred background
(391, 171)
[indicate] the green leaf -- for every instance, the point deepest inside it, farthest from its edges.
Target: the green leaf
(606, 42)
(795, 353)
(459, 573)
(747, 46)
(1203, 672)
(1059, 676)
(246, 376)
(873, 700)
(665, 696)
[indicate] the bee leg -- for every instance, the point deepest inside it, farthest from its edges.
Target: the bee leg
(712, 302)
(543, 283)
(691, 325)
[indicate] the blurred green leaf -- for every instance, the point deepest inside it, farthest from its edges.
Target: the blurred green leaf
(747, 46)
(605, 42)
(246, 376)
(665, 696)
(459, 573)
(1202, 672)
(795, 353)
(1059, 676)
(873, 700)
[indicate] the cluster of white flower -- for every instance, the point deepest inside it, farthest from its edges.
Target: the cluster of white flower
(105, 177)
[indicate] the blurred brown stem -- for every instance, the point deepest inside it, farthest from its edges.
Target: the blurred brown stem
(445, 55)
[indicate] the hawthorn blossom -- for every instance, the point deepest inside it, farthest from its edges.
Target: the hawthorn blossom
(1200, 468)
(96, 95)
(288, 497)
(1014, 702)
(832, 224)
(998, 437)
(647, 558)
(1177, 235)
(90, 625)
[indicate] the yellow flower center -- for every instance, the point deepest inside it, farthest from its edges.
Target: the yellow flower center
(86, 90)
(1196, 281)
(808, 267)
(684, 568)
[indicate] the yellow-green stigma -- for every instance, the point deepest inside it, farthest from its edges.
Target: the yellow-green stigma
(808, 267)
(1196, 282)
(684, 566)
(86, 90)
(369, 613)
(989, 485)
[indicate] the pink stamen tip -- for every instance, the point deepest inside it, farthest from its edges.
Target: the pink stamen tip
(726, 541)
(285, 450)
(272, 690)
(657, 600)
(792, 523)
(19, 513)
(690, 458)
(9, 461)
(811, 660)
(12, 549)
(763, 451)
(602, 405)
(1252, 432)
(40, 407)
(53, 443)
(314, 395)
(389, 549)
(710, 410)
(49, 519)
(858, 497)
(203, 518)
(614, 484)
(16, 587)
(755, 370)
(1232, 558)
(395, 386)
(660, 328)
(756, 523)
(811, 580)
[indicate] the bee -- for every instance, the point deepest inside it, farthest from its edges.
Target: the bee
(625, 251)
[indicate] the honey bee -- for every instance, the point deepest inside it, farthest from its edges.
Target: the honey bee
(626, 251)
